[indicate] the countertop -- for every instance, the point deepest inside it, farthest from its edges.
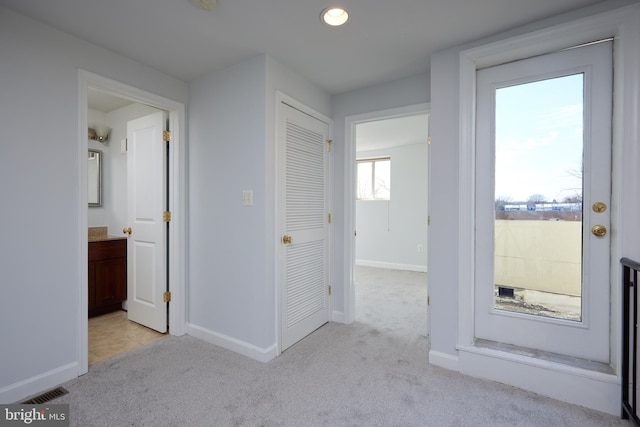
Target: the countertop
(107, 237)
(100, 234)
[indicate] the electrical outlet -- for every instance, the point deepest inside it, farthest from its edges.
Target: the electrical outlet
(420, 248)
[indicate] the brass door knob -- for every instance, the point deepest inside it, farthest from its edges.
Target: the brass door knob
(599, 230)
(287, 239)
(599, 207)
(127, 230)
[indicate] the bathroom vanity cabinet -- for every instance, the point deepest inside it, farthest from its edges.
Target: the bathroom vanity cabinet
(107, 275)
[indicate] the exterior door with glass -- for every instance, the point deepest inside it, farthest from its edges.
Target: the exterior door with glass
(543, 184)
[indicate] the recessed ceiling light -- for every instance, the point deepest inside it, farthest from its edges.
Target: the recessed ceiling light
(205, 4)
(334, 16)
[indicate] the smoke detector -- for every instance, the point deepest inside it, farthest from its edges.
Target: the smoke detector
(205, 4)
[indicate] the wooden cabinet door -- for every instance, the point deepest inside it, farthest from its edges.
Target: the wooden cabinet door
(111, 281)
(92, 286)
(107, 276)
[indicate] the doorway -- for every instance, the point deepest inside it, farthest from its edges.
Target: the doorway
(388, 192)
(114, 307)
(176, 166)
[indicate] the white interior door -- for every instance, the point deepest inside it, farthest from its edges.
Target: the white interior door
(304, 225)
(147, 198)
(543, 184)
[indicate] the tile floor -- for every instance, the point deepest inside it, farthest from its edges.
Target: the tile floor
(112, 334)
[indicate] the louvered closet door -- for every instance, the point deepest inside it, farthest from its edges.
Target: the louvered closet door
(304, 259)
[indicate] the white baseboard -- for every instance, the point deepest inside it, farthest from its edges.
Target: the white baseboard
(17, 392)
(392, 265)
(443, 360)
(338, 317)
(591, 389)
(235, 345)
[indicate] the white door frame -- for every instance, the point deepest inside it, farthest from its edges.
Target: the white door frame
(177, 203)
(527, 372)
(588, 336)
(351, 122)
(529, 45)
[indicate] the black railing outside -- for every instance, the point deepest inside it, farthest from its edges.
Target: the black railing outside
(630, 339)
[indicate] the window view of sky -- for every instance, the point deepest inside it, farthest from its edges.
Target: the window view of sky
(539, 139)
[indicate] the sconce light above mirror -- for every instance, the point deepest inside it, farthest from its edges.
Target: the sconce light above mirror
(99, 133)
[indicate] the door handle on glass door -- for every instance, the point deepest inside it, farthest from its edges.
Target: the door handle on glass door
(599, 230)
(599, 207)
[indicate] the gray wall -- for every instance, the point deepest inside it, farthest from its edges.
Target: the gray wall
(40, 189)
(226, 260)
(232, 249)
(389, 231)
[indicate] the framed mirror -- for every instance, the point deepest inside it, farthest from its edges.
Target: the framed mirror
(94, 173)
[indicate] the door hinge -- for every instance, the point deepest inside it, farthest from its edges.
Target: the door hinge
(329, 289)
(428, 300)
(166, 297)
(329, 144)
(166, 135)
(329, 218)
(166, 216)
(429, 140)
(429, 220)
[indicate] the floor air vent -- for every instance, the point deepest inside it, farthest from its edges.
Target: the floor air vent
(46, 396)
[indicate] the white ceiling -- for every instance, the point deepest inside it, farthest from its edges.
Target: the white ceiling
(101, 101)
(383, 40)
(381, 134)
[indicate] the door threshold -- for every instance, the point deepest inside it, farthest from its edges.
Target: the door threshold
(578, 381)
(574, 362)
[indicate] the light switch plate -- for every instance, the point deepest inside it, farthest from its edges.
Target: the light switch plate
(247, 198)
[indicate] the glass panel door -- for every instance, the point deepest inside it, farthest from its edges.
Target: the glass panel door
(543, 164)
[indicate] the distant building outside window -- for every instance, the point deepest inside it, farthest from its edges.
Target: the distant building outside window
(373, 178)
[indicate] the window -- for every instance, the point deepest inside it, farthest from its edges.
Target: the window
(373, 178)
(538, 163)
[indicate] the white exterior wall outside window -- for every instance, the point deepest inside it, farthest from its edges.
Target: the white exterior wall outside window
(373, 179)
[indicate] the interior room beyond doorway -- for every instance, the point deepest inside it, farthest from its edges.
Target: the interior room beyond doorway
(114, 107)
(391, 218)
(113, 334)
(392, 301)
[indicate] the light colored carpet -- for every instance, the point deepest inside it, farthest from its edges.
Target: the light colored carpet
(393, 301)
(341, 375)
